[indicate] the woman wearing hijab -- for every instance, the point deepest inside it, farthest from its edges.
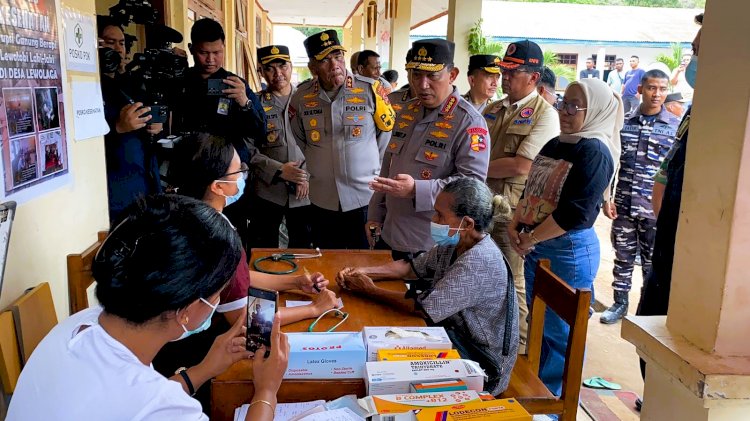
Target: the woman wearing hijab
(561, 201)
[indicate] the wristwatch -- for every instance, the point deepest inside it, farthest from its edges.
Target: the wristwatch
(182, 371)
(248, 104)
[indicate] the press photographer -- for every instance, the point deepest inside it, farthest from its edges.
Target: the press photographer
(132, 169)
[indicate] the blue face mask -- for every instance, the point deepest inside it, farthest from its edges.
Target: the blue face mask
(240, 190)
(691, 70)
(439, 233)
(205, 325)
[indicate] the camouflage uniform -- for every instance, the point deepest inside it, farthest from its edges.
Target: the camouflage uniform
(645, 143)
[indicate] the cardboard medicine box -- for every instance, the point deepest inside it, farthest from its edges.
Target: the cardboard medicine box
(391, 377)
(399, 407)
(334, 355)
(404, 338)
(497, 410)
(417, 354)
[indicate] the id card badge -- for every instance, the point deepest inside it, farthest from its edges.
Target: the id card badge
(223, 107)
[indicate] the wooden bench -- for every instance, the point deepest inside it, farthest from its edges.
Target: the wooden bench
(572, 305)
(34, 316)
(79, 275)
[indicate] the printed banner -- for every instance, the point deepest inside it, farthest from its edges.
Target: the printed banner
(32, 121)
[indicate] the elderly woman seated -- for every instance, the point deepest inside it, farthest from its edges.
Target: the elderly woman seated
(463, 282)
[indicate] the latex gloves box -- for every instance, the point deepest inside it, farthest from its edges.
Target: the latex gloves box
(399, 407)
(390, 377)
(403, 338)
(335, 355)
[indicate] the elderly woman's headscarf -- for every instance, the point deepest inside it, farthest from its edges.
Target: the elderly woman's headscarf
(604, 119)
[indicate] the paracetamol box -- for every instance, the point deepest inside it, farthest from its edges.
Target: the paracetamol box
(417, 354)
(404, 338)
(497, 410)
(391, 377)
(399, 407)
(335, 355)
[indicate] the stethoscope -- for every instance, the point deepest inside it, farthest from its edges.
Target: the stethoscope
(287, 258)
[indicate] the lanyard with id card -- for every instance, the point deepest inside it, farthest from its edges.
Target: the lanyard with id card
(223, 107)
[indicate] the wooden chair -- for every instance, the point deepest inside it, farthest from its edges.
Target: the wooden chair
(10, 358)
(79, 275)
(572, 305)
(34, 316)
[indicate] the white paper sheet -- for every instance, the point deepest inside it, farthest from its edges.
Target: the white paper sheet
(88, 110)
(343, 414)
(285, 411)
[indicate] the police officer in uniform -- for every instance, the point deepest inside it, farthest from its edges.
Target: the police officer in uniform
(280, 181)
(646, 137)
(483, 78)
(520, 124)
(342, 122)
(399, 98)
(438, 137)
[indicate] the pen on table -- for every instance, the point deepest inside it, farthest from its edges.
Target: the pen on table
(307, 272)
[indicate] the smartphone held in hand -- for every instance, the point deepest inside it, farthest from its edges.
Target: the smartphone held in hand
(262, 305)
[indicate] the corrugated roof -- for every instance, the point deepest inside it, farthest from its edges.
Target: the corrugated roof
(578, 22)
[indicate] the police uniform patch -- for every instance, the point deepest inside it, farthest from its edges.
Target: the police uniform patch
(268, 96)
(356, 131)
(355, 118)
(430, 156)
(397, 107)
(438, 134)
(476, 130)
(356, 90)
(527, 112)
(448, 117)
(449, 105)
(355, 100)
(315, 136)
(311, 104)
(314, 122)
(443, 125)
(522, 121)
(310, 95)
(408, 117)
(392, 145)
(414, 106)
(402, 124)
(271, 126)
(426, 174)
(267, 109)
(271, 137)
(478, 143)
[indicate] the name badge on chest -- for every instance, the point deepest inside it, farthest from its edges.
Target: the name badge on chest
(223, 107)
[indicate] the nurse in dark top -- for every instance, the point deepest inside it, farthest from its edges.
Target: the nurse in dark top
(561, 201)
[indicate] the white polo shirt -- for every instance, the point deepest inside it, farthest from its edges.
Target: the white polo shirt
(86, 374)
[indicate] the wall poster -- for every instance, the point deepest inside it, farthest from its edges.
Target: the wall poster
(32, 122)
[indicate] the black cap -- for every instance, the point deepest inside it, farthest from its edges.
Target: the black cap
(431, 55)
(486, 62)
(522, 53)
(318, 46)
(676, 96)
(273, 52)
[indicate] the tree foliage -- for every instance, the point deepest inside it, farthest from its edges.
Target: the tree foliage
(672, 60)
(479, 44)
(561, 70)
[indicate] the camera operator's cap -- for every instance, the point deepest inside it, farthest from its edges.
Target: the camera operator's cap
(522, 53)
(487, 62)
(318, 46)
(431, 55)
(273, 52)
(676, 96)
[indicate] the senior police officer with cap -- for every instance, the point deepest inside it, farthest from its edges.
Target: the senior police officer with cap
(342, 122)
(438, 137)
(520, 124)
(280, 181)
(483, 76)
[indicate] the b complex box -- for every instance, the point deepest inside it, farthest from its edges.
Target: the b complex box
(389, 377)
(339, 355)
(404, 338)
(497, 410)
(399, 407)
(417, 354)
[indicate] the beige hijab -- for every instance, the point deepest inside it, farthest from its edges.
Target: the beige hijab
(605, 116)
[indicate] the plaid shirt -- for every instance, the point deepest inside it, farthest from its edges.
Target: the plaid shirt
(469, 296)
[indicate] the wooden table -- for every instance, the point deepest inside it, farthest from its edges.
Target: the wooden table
(235, 387)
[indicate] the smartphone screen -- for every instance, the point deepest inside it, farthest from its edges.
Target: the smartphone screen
(261, 308)
(216, 86)
(159, 113)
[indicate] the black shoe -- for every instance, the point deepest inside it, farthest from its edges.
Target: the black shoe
(618, 310)
(638, 404)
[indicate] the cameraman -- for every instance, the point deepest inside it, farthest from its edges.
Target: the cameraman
(235, 113)
(132, 169)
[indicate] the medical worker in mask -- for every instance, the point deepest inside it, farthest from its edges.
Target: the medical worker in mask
(462, 283)
(159, 275)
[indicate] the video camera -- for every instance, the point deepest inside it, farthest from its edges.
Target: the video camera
(138, 11)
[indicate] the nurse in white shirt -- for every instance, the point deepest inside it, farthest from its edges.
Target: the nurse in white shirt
(159, 275)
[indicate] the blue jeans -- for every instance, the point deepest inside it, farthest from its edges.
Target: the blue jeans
(574, 258)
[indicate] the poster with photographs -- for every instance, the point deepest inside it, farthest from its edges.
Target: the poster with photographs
(32, 118)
